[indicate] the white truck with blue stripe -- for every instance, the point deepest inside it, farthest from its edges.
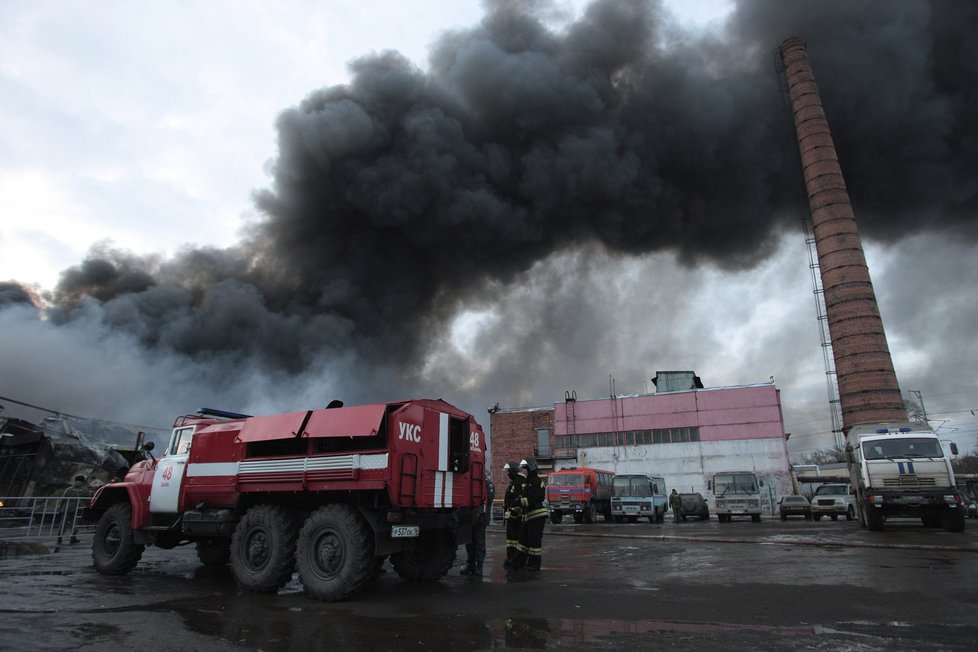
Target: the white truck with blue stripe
(902, 470)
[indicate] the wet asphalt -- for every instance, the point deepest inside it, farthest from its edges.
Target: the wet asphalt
(793, 585)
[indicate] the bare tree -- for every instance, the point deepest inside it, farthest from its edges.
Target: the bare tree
(915, 411)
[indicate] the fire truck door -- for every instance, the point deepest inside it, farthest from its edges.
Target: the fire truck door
(165, 497)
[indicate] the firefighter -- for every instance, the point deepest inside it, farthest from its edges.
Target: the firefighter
(512, 509)
(676, 503)
(529, 549)
(475, 551)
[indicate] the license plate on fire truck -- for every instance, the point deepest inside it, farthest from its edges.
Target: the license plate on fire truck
(405, 531)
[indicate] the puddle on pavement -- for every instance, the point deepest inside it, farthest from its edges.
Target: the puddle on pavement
(300, 629)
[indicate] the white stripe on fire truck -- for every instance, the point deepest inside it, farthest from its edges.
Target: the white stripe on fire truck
(444, 484)
(442, 442)
(439, 489)
(449, 480)
(340, 462)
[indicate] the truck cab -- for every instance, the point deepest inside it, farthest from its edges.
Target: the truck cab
(582, 493)
(902, 470)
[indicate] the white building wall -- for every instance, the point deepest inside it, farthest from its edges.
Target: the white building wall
(688, 466)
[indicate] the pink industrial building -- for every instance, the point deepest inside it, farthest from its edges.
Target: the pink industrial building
(683, 432)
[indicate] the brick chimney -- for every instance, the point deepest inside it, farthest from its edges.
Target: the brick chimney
(868, 387)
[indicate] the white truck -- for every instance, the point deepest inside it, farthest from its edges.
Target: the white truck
(902, 470)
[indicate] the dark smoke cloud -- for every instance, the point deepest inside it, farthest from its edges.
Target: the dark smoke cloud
(405, 195)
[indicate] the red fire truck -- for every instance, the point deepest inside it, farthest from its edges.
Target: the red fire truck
(329, 492)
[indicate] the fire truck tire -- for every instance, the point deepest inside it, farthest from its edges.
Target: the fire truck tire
(429, 560)
(263, 549)
(214, 552)
(113, 549)
(335, 553)
(850, 513)
(556, 518)
(578, 517)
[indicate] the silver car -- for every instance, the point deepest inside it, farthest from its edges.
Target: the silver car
(833, 500)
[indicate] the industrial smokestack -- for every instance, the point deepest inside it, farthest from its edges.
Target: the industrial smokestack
(868, 387)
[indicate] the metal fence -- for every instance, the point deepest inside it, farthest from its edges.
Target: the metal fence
(43, 517)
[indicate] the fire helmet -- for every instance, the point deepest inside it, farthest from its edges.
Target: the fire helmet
(530, 464)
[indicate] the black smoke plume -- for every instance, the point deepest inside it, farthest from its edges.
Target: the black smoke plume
(405, 195)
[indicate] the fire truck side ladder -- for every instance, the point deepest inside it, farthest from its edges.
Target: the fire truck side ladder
(408, 479)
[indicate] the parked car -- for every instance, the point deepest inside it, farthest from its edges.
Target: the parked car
(694, 504)
(794, 506)
(972, 507)
(834, 500)
(970, 503)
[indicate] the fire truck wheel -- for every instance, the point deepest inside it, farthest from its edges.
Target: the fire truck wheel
(113, 550)
(335, 553)
(214, 552)
(556, 518)
(263, 549)
(429, 560)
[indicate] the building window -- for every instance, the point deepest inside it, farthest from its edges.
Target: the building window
(631, 438)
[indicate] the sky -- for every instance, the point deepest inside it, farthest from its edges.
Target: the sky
(261, 207)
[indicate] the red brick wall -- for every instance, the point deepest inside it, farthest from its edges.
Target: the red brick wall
(513, 436)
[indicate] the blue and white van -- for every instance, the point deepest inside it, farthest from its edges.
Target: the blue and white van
(638, 495)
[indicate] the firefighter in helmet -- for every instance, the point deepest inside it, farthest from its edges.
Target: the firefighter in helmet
(529, 549)
(513, 509)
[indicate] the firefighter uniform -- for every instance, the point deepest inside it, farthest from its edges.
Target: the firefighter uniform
(529, 549)
(513, 510)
